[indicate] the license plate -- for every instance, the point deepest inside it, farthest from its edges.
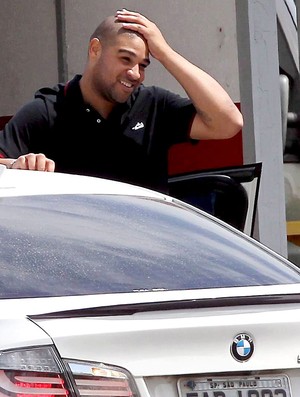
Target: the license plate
(258, 386)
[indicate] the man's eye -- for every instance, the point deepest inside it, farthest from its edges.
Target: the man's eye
(126, 60)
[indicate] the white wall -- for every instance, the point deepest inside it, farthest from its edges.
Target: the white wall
(201, 30)
(28, 50)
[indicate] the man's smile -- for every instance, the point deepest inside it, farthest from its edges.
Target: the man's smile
(126, 84)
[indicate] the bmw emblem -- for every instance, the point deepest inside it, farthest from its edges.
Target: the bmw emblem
(242, 347)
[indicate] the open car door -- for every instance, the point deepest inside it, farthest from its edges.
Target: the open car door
(230, 194)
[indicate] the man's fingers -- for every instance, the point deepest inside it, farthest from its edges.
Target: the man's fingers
(34, 162)
(50, 166)
(131, 17)
(19, 163)
(124, 11)
(42, 163)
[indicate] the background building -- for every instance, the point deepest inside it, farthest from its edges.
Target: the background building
(244, 44)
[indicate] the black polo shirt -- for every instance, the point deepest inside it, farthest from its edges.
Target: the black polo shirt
(131, 145)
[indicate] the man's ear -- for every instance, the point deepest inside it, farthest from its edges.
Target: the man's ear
(95, 48)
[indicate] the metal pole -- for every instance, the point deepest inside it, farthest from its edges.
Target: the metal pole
(61, 40)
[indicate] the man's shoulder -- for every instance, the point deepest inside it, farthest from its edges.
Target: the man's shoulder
(148, 95)
(50, 93)
(152, 90)
(151, 93)
(57, 92)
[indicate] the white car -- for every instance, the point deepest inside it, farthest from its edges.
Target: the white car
(113, 290)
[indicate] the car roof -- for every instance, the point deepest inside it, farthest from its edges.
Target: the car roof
(25, 183)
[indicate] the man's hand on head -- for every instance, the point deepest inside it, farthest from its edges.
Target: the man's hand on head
(139, 23)
(31, 161)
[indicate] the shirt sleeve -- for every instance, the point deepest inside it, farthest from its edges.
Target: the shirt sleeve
(179, 113)
(22, 133)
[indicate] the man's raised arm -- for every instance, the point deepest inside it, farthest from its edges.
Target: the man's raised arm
(217, 116)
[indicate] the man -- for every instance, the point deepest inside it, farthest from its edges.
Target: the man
(106, 123)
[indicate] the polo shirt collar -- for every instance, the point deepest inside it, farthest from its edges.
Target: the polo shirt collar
(73, 93)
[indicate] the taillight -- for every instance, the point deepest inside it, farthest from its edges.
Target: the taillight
(31, 372)
(95, 379)
(39, 372)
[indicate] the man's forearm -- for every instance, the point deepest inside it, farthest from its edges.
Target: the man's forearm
(219, 115)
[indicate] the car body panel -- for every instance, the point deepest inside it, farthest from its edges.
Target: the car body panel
(172, 343)
(12, 183)
(19, 332)
(156, 336)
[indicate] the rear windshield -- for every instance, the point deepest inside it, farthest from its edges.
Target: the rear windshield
(88, 244)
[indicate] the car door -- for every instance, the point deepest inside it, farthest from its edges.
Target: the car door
(230, 194)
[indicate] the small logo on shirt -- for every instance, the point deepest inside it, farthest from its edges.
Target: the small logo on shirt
(138, 126)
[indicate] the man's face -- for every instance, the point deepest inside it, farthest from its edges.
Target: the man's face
(120, 67)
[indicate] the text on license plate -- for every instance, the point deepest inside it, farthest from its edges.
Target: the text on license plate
(259, 386)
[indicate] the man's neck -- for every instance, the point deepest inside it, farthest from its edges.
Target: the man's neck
(102, 106)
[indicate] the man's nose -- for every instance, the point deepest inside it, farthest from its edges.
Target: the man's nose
(134, 72)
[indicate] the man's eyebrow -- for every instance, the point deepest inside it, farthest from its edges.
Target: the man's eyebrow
(133, 54)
